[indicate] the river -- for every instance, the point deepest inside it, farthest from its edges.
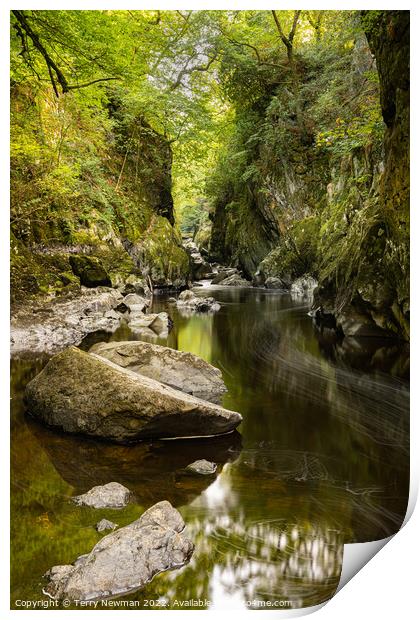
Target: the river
(321, 459)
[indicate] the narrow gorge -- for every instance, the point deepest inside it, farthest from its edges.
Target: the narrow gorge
(210, 310)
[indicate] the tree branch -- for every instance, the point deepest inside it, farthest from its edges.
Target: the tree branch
(287, 40)
(55, 73)
(187, 71)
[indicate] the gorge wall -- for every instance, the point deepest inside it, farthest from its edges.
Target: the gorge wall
(321, 181)
(100, 190)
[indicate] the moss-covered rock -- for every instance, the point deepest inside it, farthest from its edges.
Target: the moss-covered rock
(295, 255)
(158, 253)
(89, 270)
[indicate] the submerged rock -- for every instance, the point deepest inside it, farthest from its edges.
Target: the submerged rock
(111, 495)
(202, 467)
(187, 300)
(89, 270)
(83, 393)
(104, 525)
(183, 371)
(125, 560)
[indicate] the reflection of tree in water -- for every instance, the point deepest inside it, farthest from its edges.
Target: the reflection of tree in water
(258, 541)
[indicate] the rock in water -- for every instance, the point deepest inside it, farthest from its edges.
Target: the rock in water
(104, 524)
(83, 393)
(111, 495)
(183, 371)
(188, 301)
(202, 467)
(160, 323)
(235, 280)
(304, 286)
(125, 560)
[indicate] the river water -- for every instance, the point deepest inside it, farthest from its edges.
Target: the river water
(321, 459)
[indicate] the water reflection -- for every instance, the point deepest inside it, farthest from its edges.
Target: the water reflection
(152, 471)
(322, 460)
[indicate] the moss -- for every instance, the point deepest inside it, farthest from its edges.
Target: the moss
(296, 254)
(90, 270)
(159, 253)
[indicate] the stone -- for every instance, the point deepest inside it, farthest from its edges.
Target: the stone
(304, 286)
(202, 467)
(83, 393)
(104, 525)
(223, 274)
(274, 283)
(124, 560)
(53, 325)
(111, 495)
(138, 285)
(235, 280)
(89, 270)
(135, 303)
(159, 323)
(193, 303)
(181, 370)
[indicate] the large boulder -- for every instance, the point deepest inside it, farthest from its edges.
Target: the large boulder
(183, 371)
(124, 560)
(83, 393)
(89, 270)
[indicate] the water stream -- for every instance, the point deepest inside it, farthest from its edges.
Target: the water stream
(321, 459)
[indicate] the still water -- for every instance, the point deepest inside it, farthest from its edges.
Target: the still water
(321, 459)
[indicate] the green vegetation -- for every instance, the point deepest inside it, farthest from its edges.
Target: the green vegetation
(260, 133)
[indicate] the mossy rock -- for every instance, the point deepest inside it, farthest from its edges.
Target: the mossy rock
(295, 255)
(89, 270)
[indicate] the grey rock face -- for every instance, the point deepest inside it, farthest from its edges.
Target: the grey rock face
(190, 302)
(104, 525)
(111, 495)
(202, 467)
(223, 274)
(235, 280)
(125, 560)
(183, 371)
(83, 393)
(138, 285)
(274, 283)
(304, 287)
(56, 324)
(199, 267)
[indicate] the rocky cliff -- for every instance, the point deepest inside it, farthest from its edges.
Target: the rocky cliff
(115, 211)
